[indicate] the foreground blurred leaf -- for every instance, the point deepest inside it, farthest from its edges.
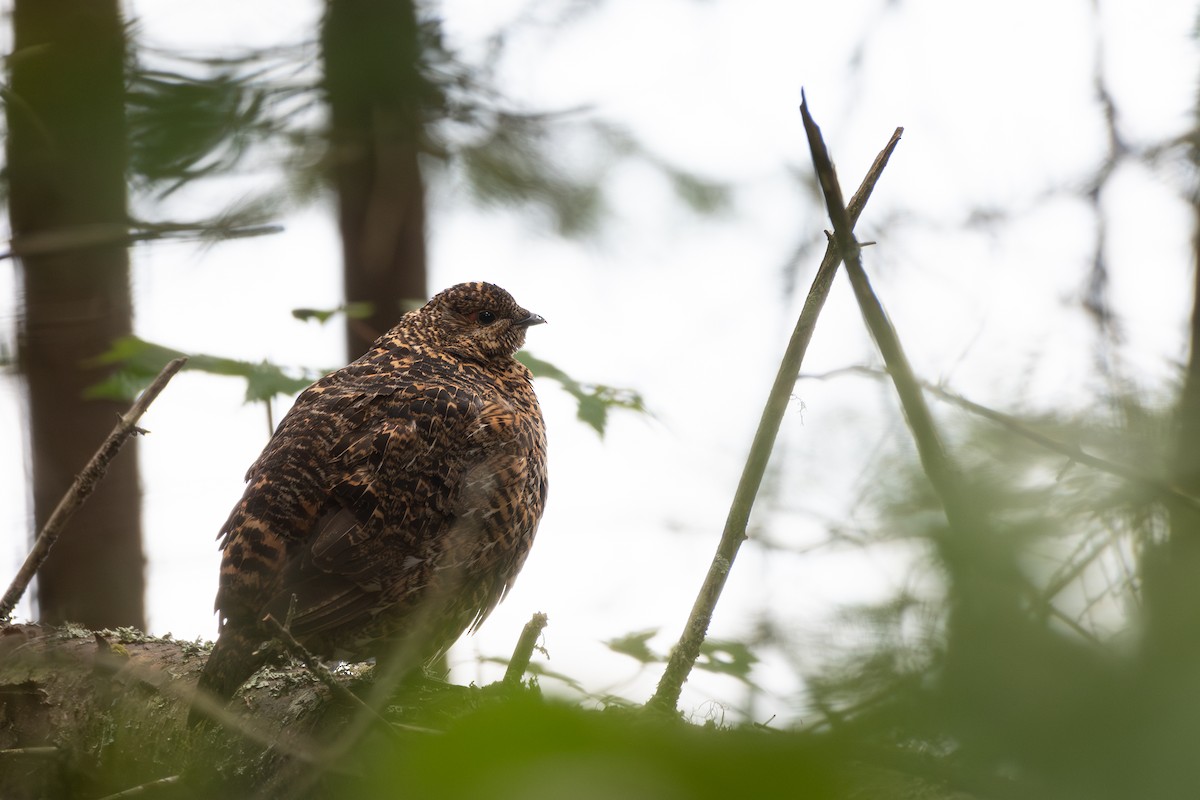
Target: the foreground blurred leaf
(531, 750)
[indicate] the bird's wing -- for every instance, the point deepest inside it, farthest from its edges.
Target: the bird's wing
(389, 481)
(500, 501)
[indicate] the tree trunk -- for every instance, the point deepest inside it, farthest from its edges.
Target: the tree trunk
(1171, 566)
(372, 52)
(66, 154)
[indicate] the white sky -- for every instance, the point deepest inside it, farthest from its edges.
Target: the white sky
(998, 108)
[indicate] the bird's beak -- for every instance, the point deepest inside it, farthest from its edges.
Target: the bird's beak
(532, 319)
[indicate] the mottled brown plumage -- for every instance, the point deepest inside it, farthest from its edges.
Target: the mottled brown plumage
(398, 498)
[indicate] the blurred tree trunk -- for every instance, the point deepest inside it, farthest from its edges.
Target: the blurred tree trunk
(1171, 567)
(66, 155)
(372, 52)
(1187, 455)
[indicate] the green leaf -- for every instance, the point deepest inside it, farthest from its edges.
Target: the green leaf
(727, 657)
(595, 400)
(593, 411)
(265, 380)
(636, 646)
(140, 361)
(323, 315)
(721, 656)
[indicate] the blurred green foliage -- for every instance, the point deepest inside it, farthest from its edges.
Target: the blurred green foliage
(525, 748)
(1030, 663)
(196, 117)
(722, 656)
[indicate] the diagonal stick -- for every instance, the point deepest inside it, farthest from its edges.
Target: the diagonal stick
(937, 465)
(82, 488)
(684, 654)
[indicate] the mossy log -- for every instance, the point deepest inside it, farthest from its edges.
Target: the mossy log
(90, 713)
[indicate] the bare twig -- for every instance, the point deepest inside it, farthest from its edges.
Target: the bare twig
(524, 649)
(144, 789)
(1071, 450)
(83, 237)
(683, 655)
(322, 673)
(83, 486)
(934, 460)
(164, 682)
(387, 676)
(31, 752)
(404, 656)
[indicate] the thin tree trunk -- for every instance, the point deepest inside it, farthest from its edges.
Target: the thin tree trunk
(1171, 567)
(66, 171)
(1187, 455)
(372, 50)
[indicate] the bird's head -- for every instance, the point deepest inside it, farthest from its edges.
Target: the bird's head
(478, 321)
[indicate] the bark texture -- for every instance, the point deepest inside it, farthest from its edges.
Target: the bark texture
(375, 91)
(66, 157)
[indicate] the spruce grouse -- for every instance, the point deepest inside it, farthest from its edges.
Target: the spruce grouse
(398, 498)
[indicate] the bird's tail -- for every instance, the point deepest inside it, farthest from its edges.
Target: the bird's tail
(234, 658)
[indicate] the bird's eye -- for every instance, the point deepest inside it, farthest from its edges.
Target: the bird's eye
(485, 317)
